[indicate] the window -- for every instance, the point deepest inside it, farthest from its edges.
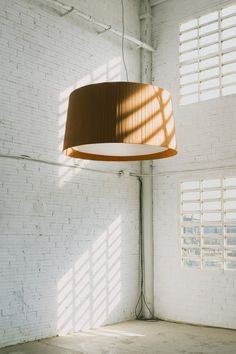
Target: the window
(208, 224)
(207, 56)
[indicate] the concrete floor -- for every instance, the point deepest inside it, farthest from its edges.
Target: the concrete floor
(136, 337)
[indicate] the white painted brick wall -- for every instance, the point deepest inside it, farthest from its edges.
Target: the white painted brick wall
(69, 238)
(206, 139)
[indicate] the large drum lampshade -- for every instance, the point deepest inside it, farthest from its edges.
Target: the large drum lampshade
(120, 121)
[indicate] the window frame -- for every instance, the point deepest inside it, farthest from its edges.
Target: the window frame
(200, 91)
(223, 223)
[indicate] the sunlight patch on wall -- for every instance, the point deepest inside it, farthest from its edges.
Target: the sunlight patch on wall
(90, 291)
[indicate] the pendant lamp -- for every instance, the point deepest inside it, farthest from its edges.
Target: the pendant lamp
(120, 121)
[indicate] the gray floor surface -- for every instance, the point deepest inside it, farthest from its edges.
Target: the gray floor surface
(136, 337)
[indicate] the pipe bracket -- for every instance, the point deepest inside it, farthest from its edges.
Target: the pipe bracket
(68, 12)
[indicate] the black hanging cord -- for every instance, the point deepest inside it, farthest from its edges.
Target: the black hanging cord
(141, 302)
(123, 37)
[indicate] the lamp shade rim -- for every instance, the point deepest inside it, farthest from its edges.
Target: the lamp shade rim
(113, 83)
(71, 152)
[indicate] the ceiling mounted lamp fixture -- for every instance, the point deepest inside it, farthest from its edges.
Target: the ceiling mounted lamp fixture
(120, 121)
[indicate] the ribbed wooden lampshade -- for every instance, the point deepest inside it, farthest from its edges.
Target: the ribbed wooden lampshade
(120, 121)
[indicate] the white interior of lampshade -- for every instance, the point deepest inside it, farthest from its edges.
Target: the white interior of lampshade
(119, 149)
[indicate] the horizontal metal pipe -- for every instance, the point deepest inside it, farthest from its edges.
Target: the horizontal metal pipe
(53, 163)
(86, 17)
(118, 173)
(197, 169)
